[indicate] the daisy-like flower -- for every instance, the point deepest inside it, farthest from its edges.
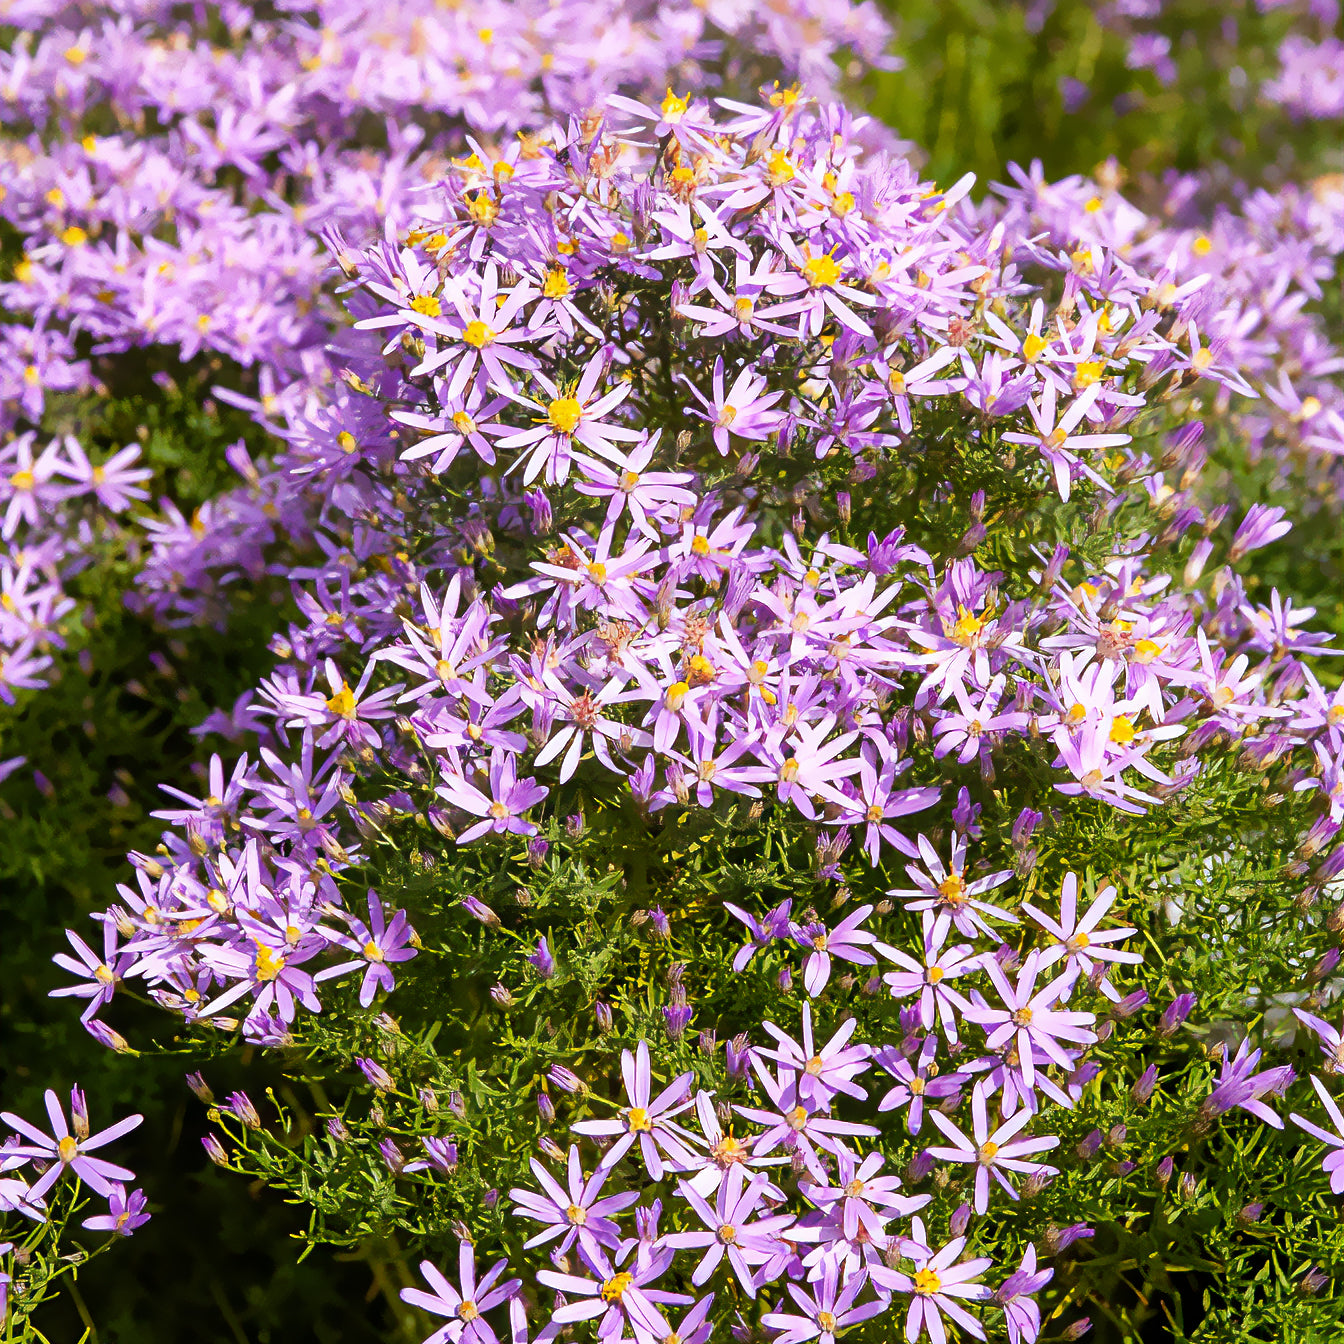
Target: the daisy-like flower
(629, 487)
(741, 410)
(846, 940)
(729, 1227)
(992, 1153)
(819, 1073)
(878, 802)
(1056, 440)
(64, 1151)
(796, 1128)
(1239, 1085)
(1334, 1161)
(862, 1198)
(376, 943)
(823, 1313)
(465, 1308)
(622, 1298)
(945, 891)
(934, 1287)
(938, 1001)
(647, 1119)
(1029, 1016)
(573, 414)
(502, 808)
(1076, 940)
(1016, 1294)
(576, 1213)
(915, 1081)
(98, 977)
(125, 1213)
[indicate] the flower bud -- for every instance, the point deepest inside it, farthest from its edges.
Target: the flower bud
(1078, 1329)
(1144, 1085)
(1188, 1186)
(605, 1021)
(545, 1108)
(429, 1100)
(1164, 1170)
(376, 1074)
(501, 997)
(392, 1156)
(1249, 1214)
(336, 1128)
(201, 1088)
(456, 1104)
(241, 1105)
(960, 1220)
(214, 1150)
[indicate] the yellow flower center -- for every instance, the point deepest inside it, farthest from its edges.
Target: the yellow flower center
(74, 236)
(1122, 731)
(966, 626)
(597, 572)
(637, 1120)
(953, 889)
(854, 1189)
(935, 974)
(826, 1319)
(673, 107)
(426, 304)
(463, 423)
(556, 284)
(1146, 650)
(927, 1281)
(478, 334)
(1078, 942)
(1089, 372)
(1202, 246)
(779, 169)
(743, 308)
(988, 1152)
(577, 1216)
(614, 1288)
(727, 1233)
(700, 545)
(1033, 346)
(269, 964)
(797, 1118)
(1022, 1017)
(104, 974)
(343, 702)
(67, 1149)
(564, 414)
(676, 693)
(467, 1310)
(726, 417)
(814, 1066)
(373, 951)
(822, 271)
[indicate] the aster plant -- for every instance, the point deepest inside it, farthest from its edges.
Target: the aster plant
(614, 681)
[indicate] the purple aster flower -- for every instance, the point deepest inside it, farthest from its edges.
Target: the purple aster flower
(794, 1127)
(823, 1313)
(465, 1308)
(1239, 1085)
(622, 1298)
(846, 941)
(377, 943)
(576, 1213)
(820, 1073)
(945, 890)
(503, 806)
(647, 1119)
(1029, 1018)
(1077, 942)
(992, 1153)
(440, 1155)
(915, 1081)
(62, 1151)
(938, 1001)
(729, 1227)
(937, 1281)
(125, 1213)
(1021, 1315)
